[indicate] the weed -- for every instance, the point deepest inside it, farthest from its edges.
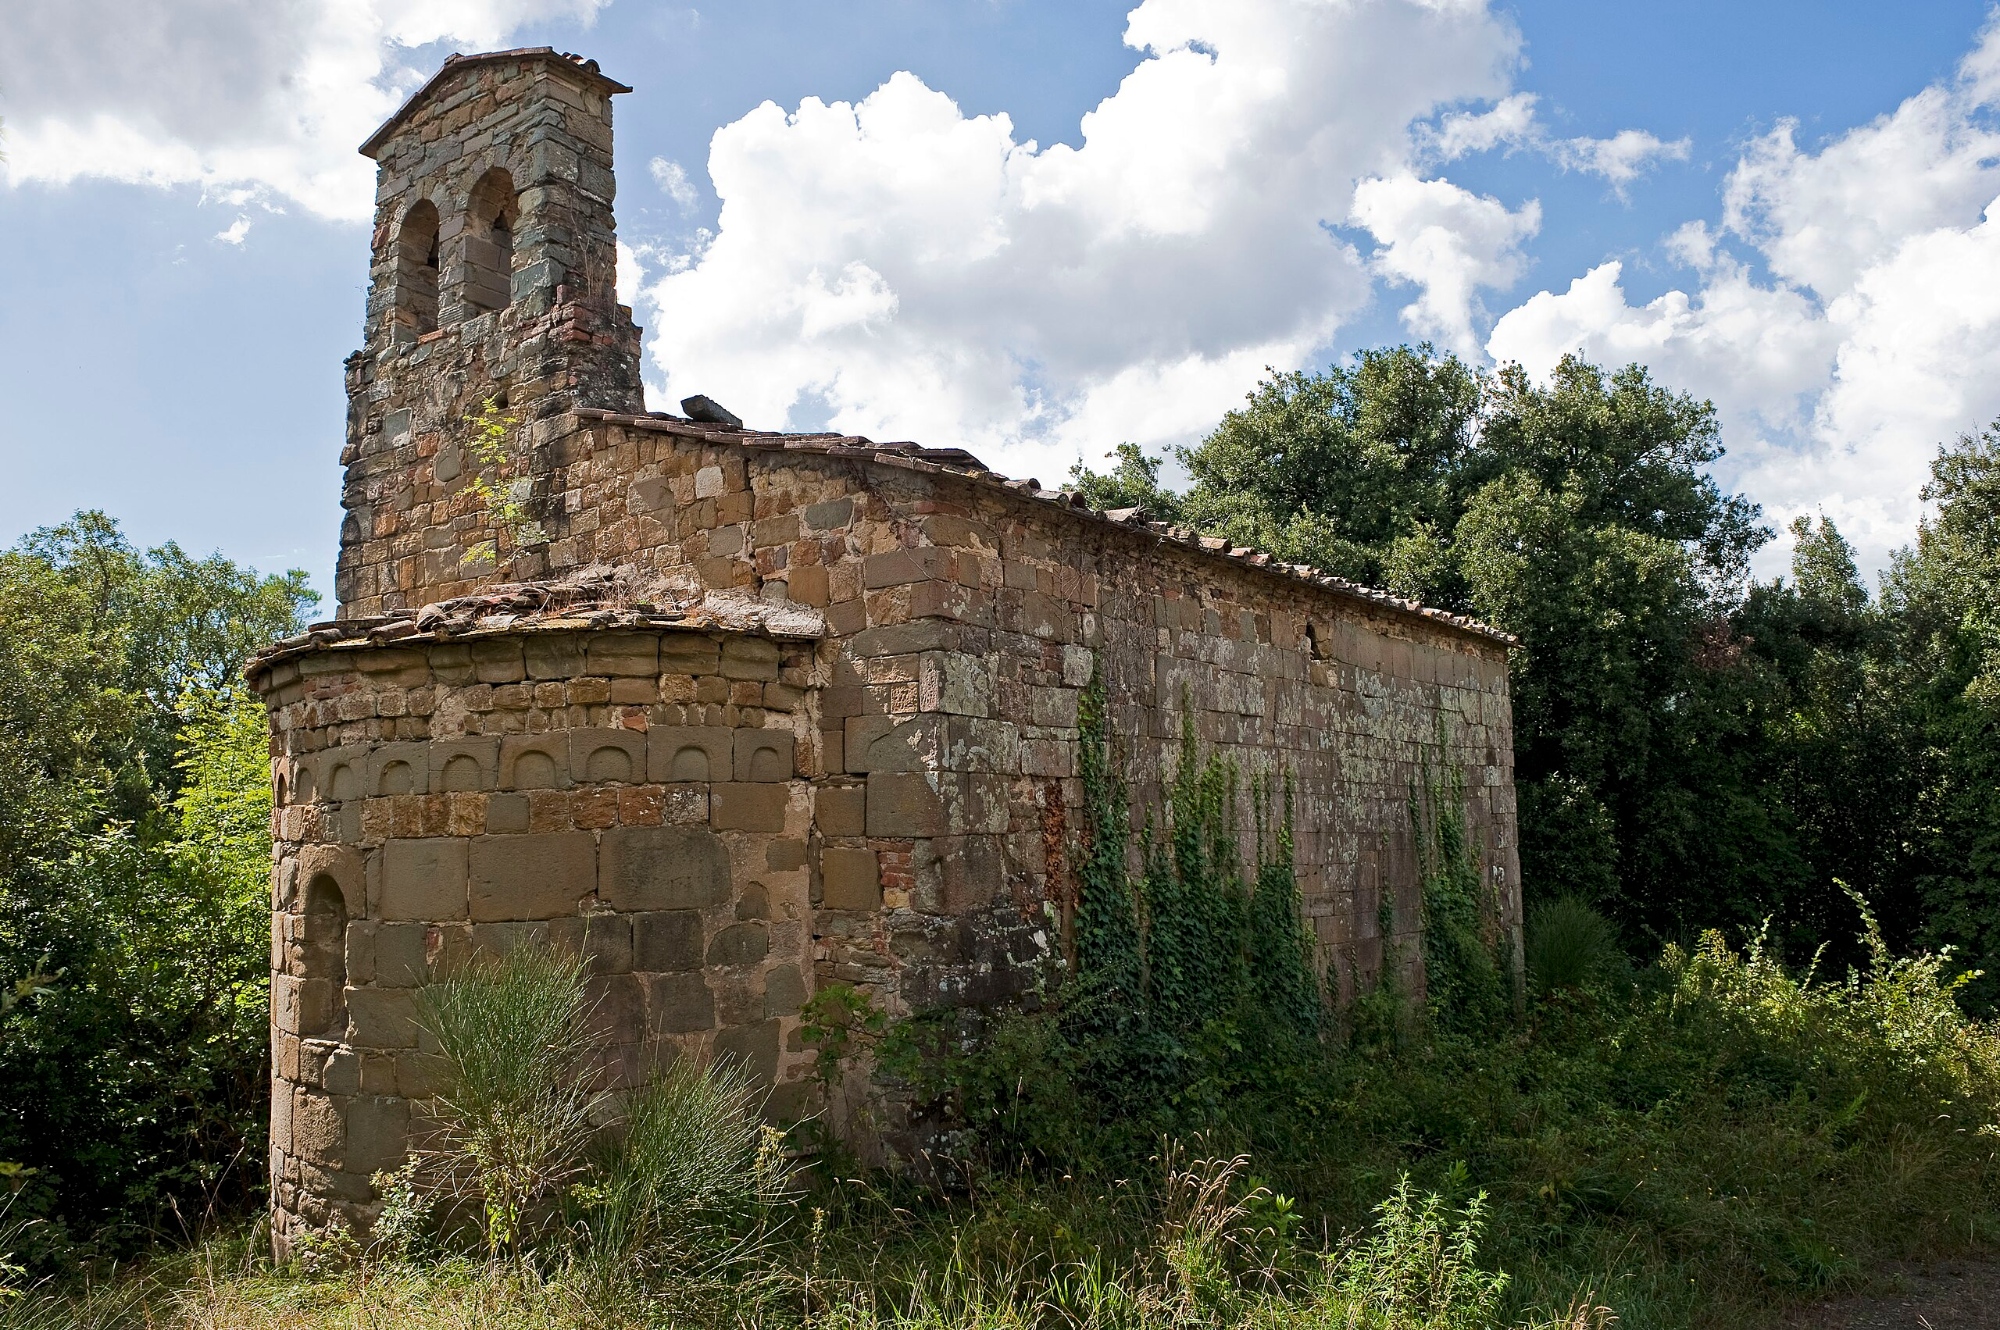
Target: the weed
(514, 1113)
(1569, 945)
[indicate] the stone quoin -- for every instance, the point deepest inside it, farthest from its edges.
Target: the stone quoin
(737, 714)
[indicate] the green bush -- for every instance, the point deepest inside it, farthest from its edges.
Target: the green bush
(674, 1183)
(1569, 945)
(134, 888)
(517, 1094)
(691, 1171)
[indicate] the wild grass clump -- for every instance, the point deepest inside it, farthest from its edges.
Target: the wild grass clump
(514, 1109)
(1569, 945)
(691, 1174)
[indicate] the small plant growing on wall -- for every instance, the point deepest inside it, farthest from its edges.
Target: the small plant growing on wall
(491, 443)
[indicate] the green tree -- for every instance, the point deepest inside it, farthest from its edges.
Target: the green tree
(1943, 597)
(1842, 756)
(1134, 482)
(1578, 514)
(134, 857)
(1356, 470)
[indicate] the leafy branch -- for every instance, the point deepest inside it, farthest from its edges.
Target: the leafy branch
(506, 503)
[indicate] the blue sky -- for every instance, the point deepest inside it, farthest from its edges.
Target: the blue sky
(1795, 211)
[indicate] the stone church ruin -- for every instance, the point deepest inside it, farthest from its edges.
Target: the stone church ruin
(738, 714)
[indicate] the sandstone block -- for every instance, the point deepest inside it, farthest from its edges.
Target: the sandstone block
(599, 755)
(841, 810)
(830, 514)
(534, 762)
(382, 1017)
(739, 944)
(663, 868)
(399, 769)
(903, 639)
(685, 753)
(689, 653)
(808, 585)
(498, 660)
(340, 866)
(763, 755)
(378, 1129)
(957, 875)
(860, 736)
(463, 765)
(749, 658)
(553, 656)
(679, 1004)
(784, 991)
(901, 567)
(617, 1007)
(738, 807)
(424, 879)
(507, 812)
(850, 879)
(667, 941)
(532, 877)
(754, 1048)
(399, 956)
(346, 774)
(303, 1006)
(935, 803)
(623, 654)
(955, 682)
(607, 942)
(906, 804)
(319, 1127)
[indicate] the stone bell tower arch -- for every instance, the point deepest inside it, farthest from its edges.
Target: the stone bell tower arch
(493, 278)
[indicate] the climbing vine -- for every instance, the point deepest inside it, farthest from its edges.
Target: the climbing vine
(1281, 947)
(1190, 941)
(1463, 981)
(1106, 927)
(506, 503)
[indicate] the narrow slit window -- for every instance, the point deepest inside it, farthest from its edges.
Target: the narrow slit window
(417, 269)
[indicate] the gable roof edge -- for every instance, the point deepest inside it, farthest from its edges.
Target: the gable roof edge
(962, 465)
(574, 65)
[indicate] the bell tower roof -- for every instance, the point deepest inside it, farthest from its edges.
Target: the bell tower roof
(584, 72)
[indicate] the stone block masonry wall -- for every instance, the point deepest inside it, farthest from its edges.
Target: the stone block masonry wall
(635, 797)
(530, 130)
(962, 618)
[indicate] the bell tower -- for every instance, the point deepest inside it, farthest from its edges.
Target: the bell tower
(492, 314)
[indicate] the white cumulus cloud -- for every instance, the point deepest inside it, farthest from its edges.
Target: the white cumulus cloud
(1510, 123)
(1513, 123)
(1620, 159)
(1450, 243)
(272, 96)
(894, 267)
(1874, 334)
(673, 180)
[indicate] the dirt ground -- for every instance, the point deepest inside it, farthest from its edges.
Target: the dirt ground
(1932, 1295)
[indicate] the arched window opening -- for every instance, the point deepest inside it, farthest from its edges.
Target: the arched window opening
(322, 960)
(489, 242)
(417, 269)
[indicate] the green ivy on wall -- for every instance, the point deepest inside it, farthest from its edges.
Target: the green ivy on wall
(1189, 942)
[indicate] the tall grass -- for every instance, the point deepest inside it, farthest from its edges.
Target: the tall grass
(1569, 945)
(1697, 1144)
(514, 1109)
(691, 1173)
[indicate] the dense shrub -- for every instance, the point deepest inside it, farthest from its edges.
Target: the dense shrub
(134, 864)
